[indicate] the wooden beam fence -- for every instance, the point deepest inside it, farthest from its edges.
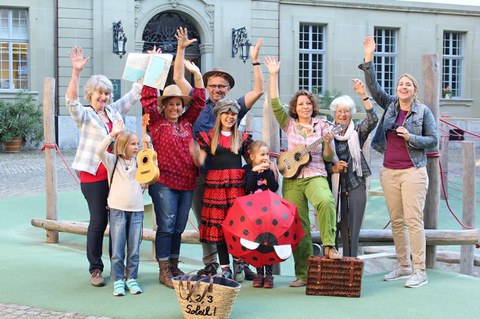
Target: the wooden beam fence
(368, 237)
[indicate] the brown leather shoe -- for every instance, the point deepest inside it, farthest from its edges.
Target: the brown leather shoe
(332, 253)
(297, 283)
(165, 276)
(96, 278)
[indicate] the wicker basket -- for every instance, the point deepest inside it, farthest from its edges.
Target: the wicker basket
(330, 277)
(202, 297)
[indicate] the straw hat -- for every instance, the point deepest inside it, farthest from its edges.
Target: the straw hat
(217, 71)
(225, 105)
(173, 91)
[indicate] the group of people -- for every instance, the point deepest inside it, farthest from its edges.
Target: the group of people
(195, 132)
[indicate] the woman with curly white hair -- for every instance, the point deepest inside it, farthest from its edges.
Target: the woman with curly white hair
(95, 121)
(350, 170)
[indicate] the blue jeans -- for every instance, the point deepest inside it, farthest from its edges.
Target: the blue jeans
(125, 229)
(171, 212)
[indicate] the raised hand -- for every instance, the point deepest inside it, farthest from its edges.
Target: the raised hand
(368, 48)
(182, 38)
(255, 50)
(191, 67)
(117, 127)
(76, 56)
(155, 50)
(359, 87)
(273, 66)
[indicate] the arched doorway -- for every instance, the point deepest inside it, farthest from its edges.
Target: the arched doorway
(160, 32)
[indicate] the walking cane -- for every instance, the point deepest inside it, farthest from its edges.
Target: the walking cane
(343, 185)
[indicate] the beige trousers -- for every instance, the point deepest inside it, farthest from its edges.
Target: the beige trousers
(405, 191)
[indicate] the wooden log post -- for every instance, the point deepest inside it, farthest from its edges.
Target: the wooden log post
(468, 218)
(431, 91)
(80, 228)
(384, 237)
(50, 154)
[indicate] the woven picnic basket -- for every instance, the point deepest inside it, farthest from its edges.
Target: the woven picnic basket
(330, 277)
(201, 297)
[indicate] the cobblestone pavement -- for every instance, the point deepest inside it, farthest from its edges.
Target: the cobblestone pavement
(23, 174)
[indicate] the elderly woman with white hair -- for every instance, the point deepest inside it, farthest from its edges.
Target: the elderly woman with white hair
(350, 169)
(95, 121)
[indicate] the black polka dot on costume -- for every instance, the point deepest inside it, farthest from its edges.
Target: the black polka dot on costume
(254, 258)
(258, 221)
(264, 209)
(249, 204)
(230, 247)
(234, 238)
(276, 202)
(275, 222)
(242, 218)
(246, 232)
(230, 223)
(287, 233)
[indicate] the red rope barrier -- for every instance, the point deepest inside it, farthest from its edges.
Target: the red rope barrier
(55, 146)
(458, 127)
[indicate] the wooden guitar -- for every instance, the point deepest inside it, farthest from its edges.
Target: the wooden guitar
(290, 163)
(147, 171)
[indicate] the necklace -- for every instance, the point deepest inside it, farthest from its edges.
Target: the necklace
(127, 163)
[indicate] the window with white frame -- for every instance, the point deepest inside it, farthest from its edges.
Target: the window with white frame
(452, 69)
(311, 60)
(13, 48)
(385, 58)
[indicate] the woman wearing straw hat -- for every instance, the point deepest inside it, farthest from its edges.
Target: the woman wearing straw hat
(171, 132)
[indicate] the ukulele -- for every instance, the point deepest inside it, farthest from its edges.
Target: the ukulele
(290, 163)
(147, 171)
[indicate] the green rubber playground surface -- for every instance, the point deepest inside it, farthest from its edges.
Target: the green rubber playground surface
(55, 277)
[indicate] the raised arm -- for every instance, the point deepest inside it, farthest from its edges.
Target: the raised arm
(273, 67)
(180, 63)
(257, 92)
(78, 64)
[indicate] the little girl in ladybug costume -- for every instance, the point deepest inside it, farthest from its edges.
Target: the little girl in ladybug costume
(225, 181)
(260, 175)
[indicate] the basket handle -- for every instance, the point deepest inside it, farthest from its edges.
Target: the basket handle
(192, 288)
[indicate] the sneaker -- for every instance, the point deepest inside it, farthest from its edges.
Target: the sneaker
(133, 286)
(96, 278)
(238, 273)
(258, 281)
(297, 283)
(398, 272)
(249, 274)
(119, 288)
(268, 282)
(210, 269)
(227, 272)
(418, 279)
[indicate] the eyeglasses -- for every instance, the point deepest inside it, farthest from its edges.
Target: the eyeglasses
(219, 86)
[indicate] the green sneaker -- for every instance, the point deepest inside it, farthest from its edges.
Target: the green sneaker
(133, 286)
(119, 288)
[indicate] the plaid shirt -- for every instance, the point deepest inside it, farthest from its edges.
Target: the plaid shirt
(93, 129)
(316, 167)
